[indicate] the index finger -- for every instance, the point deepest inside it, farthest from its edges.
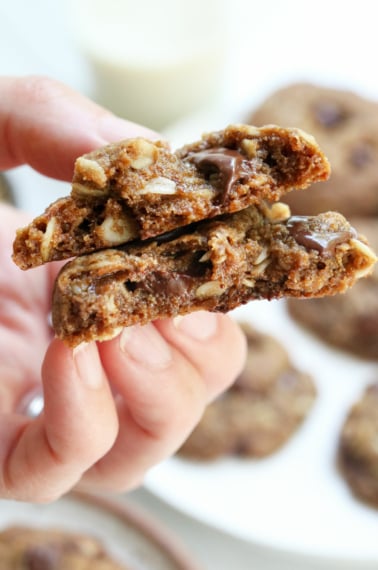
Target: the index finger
(47, 125)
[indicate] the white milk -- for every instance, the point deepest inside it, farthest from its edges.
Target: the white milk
(153, 61)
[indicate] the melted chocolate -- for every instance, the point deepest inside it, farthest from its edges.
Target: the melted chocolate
(170, 235)
(323, 242)
(41, 557)
(231, 165)
(361, 155)
(175, 284)
(329, 114)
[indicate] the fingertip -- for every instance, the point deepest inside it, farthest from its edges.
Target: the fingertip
(47, 125)
(79, 405)
(113, 128)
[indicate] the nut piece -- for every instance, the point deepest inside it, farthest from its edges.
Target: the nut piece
(369, 257)
(46, 240)
(145, 154)
(84, 190)
(250, 147)
(159, 185)
(277, 212)
(259, 269)
(209, 289)
(91, 171)
(114, 231)
(249, 283)
(253, 131)
(263, 255)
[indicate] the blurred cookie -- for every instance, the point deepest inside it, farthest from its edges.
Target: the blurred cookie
(358, 450)
(348, 321)
(23, 548)
(346, 127)
(259, 413)
(139, 189)
(266, 359)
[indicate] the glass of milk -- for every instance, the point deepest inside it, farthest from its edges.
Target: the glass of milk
(153, 61)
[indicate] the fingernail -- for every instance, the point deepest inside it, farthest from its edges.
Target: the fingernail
(145, 345)
(88, 364)
(199, 326)
(113, 128)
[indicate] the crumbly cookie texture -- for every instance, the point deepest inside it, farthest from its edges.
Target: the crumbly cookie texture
(358, 452)
(257, 253)
(259, 413)
(23, 548)
(349, 321)
(137, 189)
(346, 127)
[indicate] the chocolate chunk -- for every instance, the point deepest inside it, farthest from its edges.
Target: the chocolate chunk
(230, 164)
(361, 155)
(41, 557)
(139, 189)
(329, 114)
(323, 241)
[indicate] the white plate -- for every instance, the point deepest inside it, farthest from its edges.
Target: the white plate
(295, 500)
(128, 534)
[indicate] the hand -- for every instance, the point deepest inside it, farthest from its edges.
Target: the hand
(112, 409)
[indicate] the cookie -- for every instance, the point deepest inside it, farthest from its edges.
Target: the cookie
(346, 127)
(266, 360)
(358, 450)
(349, 321)
(23, 548)
(260, 412)
(137, 189)
(215, 265)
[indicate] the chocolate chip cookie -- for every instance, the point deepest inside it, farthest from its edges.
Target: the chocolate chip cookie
(216, 265)
(346, 127)
(137, 189)
(260, 412)
(23, 548)
(358, 450)
(201, 228)
(348, 321)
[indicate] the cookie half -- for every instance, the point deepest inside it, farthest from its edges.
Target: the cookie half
(137, 189)
(216, 265)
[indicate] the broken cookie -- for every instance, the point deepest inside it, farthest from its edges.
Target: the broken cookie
(258, 253)
(137, 189)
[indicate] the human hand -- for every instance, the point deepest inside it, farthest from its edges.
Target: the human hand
(112, 409)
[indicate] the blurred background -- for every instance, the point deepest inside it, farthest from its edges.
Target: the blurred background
(183, 68)
(250, 47)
